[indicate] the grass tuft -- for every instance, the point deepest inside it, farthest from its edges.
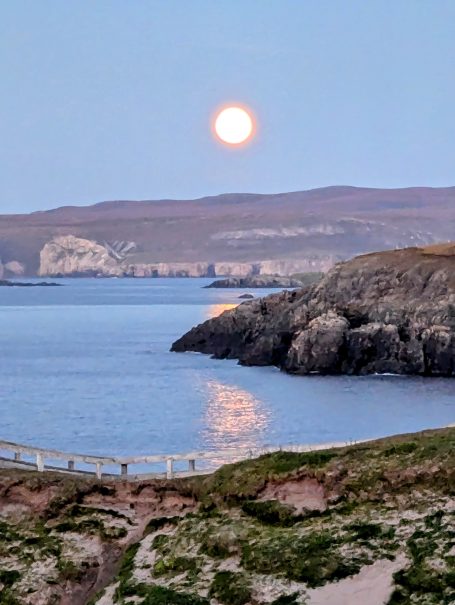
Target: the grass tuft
(230, 588)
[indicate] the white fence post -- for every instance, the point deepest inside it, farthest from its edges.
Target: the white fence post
(39, 463)
(169, 468)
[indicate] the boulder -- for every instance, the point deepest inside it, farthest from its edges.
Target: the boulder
(319, 346)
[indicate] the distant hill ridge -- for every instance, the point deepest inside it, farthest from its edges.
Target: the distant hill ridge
(298, 231)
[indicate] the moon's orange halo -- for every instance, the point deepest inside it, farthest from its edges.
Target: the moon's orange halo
(233, 125)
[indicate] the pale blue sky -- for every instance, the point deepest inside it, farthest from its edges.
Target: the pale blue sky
(112, 99)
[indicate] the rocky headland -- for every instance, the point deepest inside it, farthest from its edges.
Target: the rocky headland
(267, 281)
(367, 524)
(386, 312)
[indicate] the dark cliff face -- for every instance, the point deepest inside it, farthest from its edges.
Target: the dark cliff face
(384, 312)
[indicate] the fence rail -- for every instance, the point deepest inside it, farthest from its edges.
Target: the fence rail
(17, 451)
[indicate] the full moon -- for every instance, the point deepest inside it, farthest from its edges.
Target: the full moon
(233, 125)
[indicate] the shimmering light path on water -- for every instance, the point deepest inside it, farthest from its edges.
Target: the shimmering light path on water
(87, 368)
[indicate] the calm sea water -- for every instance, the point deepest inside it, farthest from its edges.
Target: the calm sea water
(87, 368)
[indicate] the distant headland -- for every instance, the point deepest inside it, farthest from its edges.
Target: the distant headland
(238, 234)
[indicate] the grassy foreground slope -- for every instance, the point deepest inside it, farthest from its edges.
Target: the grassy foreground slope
(372, 523)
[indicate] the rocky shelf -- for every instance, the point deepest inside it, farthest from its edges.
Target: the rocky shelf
(386, 312)
(21, 284)
(267, 281)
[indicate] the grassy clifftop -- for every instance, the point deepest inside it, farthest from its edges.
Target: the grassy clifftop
(372, 523)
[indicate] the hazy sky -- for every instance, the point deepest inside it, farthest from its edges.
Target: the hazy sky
(112, 99)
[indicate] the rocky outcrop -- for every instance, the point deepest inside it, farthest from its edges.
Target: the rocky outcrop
(237, 269)
(384, 312)
(169, 270)
(14, 267)
(63, 538)
(72, 256)
(21, 284)
(266, 281)
(11, 269)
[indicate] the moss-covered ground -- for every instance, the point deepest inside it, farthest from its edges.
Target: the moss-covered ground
(43, 553)
(246, 542)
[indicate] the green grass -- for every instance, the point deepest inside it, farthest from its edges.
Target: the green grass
(271, 512)
(401, 448)
(160, 522)
(244, 480)
(159, 595)
(8, 533)
(363, 530)
(421, 581)
(313, 559)
(216, 545)
(38, 542)
(69, 571)
(230, 588)
(126, 571)
(77, 510)
(92, 526)
(8, 598)
(177, 564)
(290, 599)
(366, 467)
(8, 577)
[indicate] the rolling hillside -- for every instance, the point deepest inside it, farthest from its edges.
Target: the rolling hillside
(321, 225)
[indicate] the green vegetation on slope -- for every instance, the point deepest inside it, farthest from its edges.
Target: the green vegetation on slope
(253, 539)
(383, 499)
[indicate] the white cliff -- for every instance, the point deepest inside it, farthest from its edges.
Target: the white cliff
(11, 269)
(69, 255)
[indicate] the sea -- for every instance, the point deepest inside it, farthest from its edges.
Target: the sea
(87, 368)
